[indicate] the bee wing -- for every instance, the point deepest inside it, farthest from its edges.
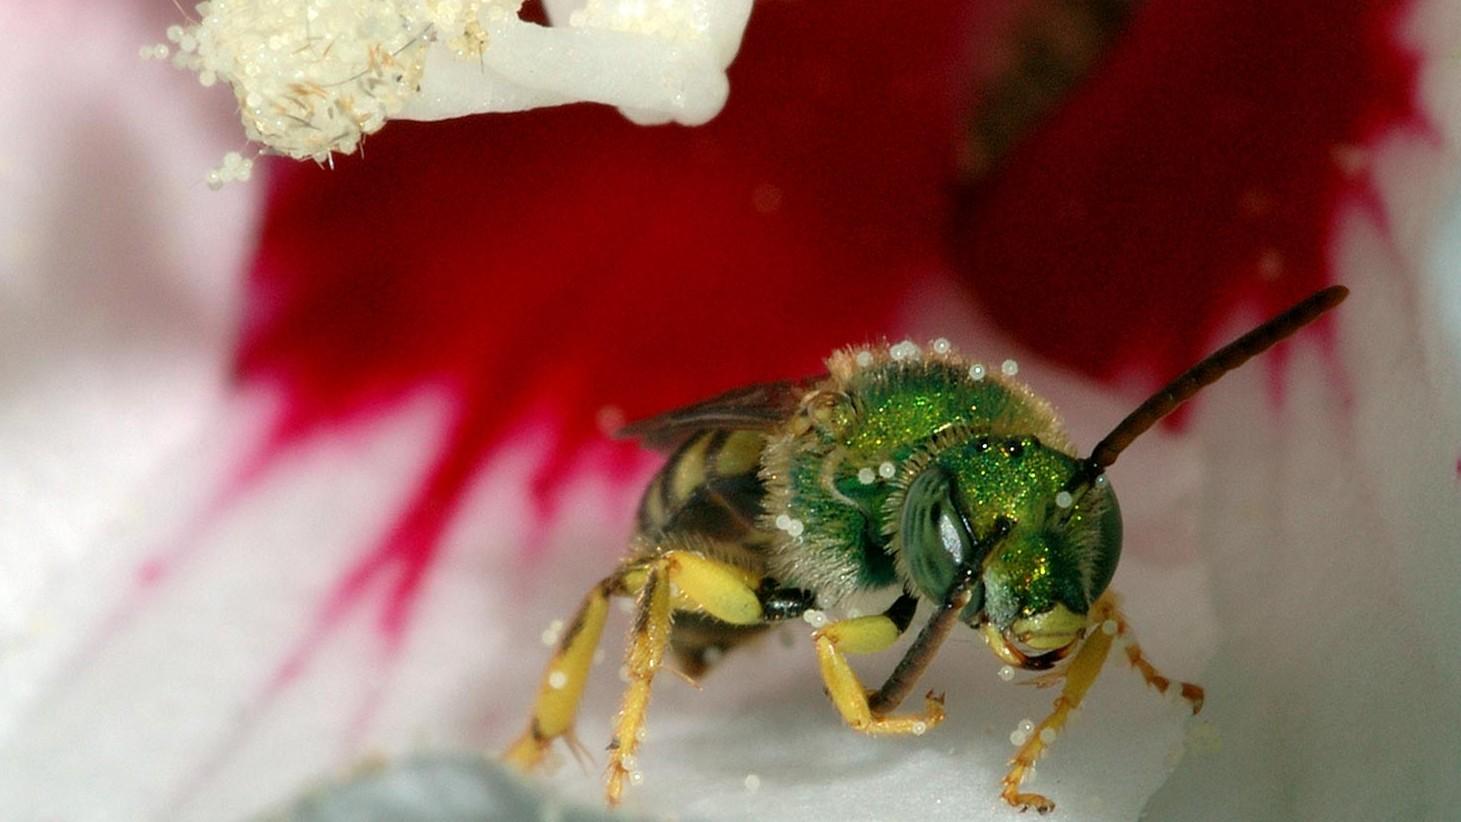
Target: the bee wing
(759, 407)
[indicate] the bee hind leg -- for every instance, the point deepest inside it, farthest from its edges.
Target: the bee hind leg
(563, 682)
(700, 641)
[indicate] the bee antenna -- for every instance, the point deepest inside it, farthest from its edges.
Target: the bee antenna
(1209, 371)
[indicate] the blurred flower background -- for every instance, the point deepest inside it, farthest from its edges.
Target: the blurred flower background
(297, 472)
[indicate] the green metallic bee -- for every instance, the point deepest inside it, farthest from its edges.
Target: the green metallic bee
(903, 468)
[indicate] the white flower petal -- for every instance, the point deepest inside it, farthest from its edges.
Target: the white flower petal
(1310, 551)
(118, 283)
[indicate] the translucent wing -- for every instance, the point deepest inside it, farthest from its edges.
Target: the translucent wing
(759, 407)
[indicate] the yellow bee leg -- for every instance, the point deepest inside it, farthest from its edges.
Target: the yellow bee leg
(921, 652)
(686, 581)
(1079, 676)
(648, 637)
(721, 590)
(866, 635)
(563, 681)
(1106, 624)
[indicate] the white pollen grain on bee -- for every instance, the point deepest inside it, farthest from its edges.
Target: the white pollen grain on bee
(887, 470)
(1009, 368)
(905, 350)
(557, 680)
(941, 345)
(864, 358)
(814, 618)
(1018, 738)
(752, 782)
(866, 476)
(1006, 673)
(1063, 499)
(977, 372)
(1047, 735)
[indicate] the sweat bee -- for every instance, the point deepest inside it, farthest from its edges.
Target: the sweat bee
(903, 468)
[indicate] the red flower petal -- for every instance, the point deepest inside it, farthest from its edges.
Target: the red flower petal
(565, 261)
(1199, 172)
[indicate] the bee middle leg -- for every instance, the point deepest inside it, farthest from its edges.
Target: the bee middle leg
(673, 581)
(866, 635)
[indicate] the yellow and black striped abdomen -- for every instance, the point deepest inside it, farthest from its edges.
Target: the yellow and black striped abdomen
(708, 491)
(707, 498)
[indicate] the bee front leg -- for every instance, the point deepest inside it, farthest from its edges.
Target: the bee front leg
(1116, 622)
(866, 635)
(1106, 624)
(1079, 676)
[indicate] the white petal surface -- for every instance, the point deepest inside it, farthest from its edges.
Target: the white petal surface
(118, 276)
(1331, 529)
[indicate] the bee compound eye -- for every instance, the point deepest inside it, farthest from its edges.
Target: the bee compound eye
(934, 539)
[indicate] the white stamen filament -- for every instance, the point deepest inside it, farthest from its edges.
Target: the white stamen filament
(313, 77)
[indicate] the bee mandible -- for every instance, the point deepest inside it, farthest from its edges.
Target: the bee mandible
(903, 468)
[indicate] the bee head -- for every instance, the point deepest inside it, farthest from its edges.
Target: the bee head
(1029, 533)
(996, 511)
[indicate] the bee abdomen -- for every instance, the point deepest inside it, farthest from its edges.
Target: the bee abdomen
(709, 488)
